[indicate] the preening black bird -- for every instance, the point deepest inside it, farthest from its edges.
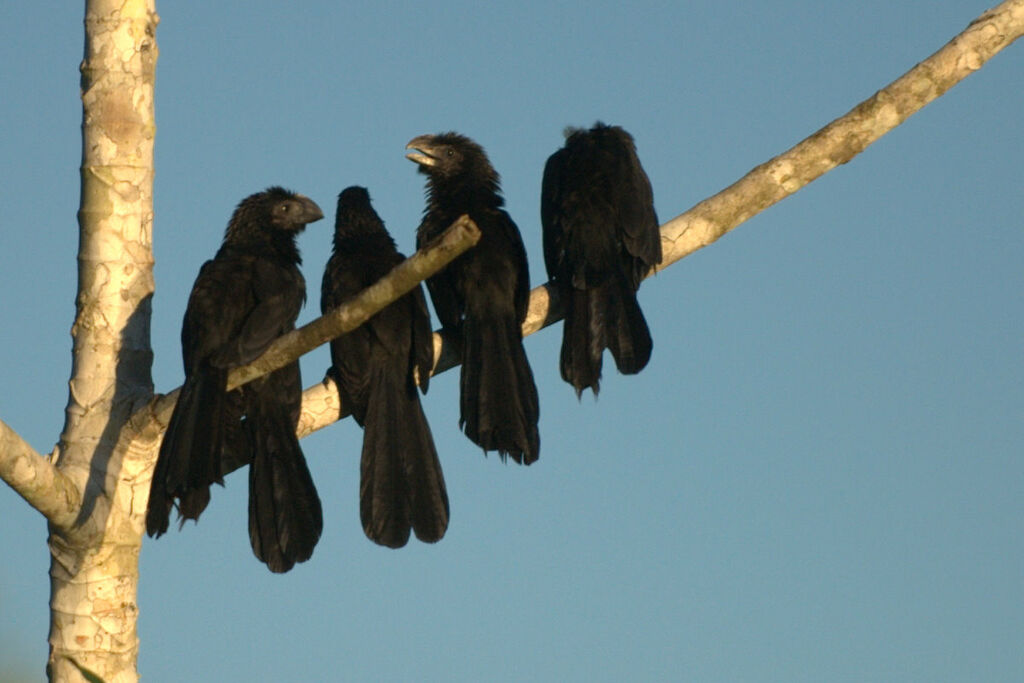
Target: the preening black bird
(401, 485)
(600, 238)
(481, 296)
(247, 296)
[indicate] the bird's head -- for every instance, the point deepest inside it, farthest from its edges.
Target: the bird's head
(450, 155)
(355, 215)
(601, 135)
(288, 210)
(353, 198)
(271, 210)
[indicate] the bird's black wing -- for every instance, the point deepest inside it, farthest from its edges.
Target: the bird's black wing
(445, 293)
(266, 311)
(633, 200)
(551, 201)
(517, 251)
(221, 300)
(349, 352)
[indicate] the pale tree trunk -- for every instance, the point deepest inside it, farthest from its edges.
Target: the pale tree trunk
(93, 489)
(95, 546)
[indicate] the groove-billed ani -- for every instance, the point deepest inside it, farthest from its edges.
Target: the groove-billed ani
(481, 296)
(600, 238)
(244, 298)
(401, 485)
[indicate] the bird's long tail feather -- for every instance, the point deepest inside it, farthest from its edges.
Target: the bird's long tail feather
(401, 483)
(629, 338)
(285, 517)
(499, 405)
(600, 317)
(583, 341)
(190, 454)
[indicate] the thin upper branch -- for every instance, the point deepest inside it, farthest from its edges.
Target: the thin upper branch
(460, 236)
(846, 137)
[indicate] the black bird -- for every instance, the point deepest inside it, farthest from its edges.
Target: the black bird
(401, 484)
(481, 296)
(600, 238)
(244, 298)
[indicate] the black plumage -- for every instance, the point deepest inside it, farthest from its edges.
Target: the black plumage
(481, 296)
(600, 238)
(375, 366)
(249, 294)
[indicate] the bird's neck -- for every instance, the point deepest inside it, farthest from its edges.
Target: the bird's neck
(461, 191)
(363, 239)
(278, 245)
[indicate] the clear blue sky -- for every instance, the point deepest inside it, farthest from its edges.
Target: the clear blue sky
(817, 478)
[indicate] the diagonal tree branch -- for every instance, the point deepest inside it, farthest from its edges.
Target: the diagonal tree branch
(769, 183)
(460, 236)
(35, 478)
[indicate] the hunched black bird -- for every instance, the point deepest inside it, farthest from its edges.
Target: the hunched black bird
(481, 296)
(375, 367)
(600, 238)
(249, 294)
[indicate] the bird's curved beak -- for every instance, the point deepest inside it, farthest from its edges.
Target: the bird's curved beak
(422, 146)
(311, 213)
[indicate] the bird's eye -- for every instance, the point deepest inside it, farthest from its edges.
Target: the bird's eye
(285, 207)
(450, 152)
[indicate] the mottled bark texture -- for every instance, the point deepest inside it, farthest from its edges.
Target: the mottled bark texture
(94, 486)
(94, 544)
